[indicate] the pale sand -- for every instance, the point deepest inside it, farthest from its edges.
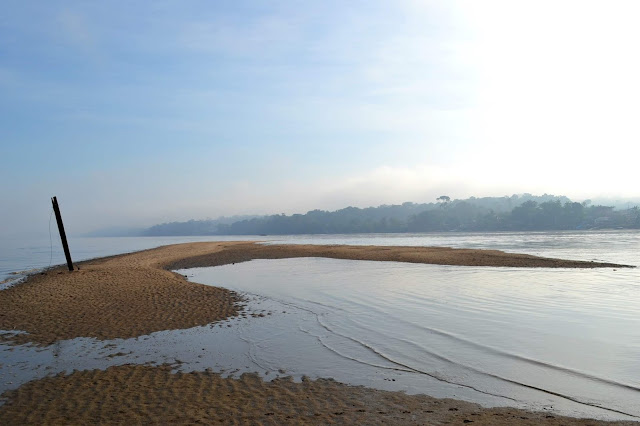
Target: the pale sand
(121, 296)
(132, 295)
(240, 252)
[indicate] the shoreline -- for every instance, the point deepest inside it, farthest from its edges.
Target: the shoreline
(142, 286)
(135, 294)
(245, 251)
(142, 394)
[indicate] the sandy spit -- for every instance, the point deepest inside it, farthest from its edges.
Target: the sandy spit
(240, 252)
(136, 294)
(114, 297)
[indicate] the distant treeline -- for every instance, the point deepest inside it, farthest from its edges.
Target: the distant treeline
(193, 227)
(516, 213)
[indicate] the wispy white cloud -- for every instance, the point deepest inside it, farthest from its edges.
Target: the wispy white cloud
(255, 37)
(76, 29)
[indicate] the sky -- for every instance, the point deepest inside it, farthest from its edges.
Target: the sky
(137, 113)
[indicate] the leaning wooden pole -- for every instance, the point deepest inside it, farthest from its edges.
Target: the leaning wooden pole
(63, 236)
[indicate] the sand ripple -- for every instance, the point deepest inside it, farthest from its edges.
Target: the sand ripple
(155, 395)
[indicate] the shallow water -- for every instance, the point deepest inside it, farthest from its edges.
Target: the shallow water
(563, 338)
(617, 246)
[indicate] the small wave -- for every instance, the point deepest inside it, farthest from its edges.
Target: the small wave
(411, 369)
(487, 374)
(358, 360)
(498, 352)
(448, 335)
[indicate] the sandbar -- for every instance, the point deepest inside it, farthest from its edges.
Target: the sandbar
(136, 294)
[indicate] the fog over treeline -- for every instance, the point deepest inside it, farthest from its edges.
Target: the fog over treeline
(523, 212)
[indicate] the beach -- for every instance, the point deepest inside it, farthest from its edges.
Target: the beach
(137, 294)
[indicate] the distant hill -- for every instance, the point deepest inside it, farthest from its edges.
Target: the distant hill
(116, 231)
(192, 227)
(509, 213)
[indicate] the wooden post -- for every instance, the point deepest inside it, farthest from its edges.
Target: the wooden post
(63, 236)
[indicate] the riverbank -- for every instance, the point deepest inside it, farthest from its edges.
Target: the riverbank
(134, 295)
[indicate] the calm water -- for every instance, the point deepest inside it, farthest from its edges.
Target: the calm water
(562, 340)
(546, 338)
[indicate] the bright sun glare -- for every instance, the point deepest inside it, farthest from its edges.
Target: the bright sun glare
(558, 87)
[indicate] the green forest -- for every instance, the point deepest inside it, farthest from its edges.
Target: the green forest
(510, 213)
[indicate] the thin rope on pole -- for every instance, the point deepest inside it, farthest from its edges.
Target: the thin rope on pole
(50, 240)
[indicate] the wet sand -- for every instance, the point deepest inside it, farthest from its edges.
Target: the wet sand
(115, 297)
(154, 395)
(134, 294)
(241, 252)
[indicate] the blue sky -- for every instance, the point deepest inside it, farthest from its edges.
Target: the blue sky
(135, 113)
